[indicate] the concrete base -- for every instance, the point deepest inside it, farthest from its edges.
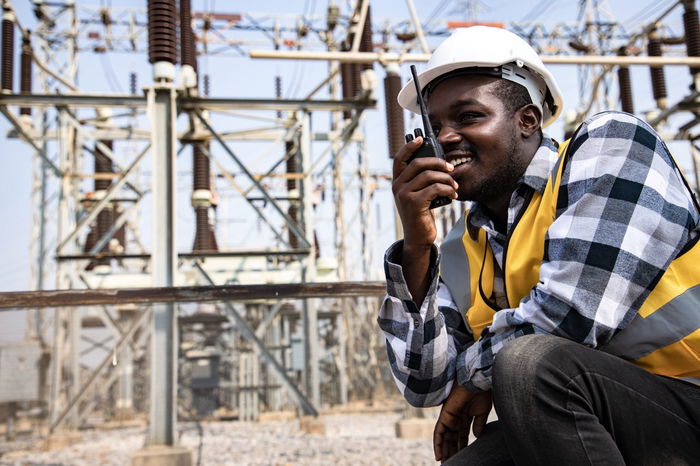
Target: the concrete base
(162, 456)
(312, 425)
(124, 414)
(415, 428)
(59, 440)
(277, 416)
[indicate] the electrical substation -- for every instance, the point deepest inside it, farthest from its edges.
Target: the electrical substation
(211, 194)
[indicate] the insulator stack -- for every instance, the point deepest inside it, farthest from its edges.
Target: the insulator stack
(201, 168)
(658, 80)
(366, 44)
(394, 112)
(623, 78)
(292, 189)
(103, 164)
(350, 80)
(201, 238)
(350, 76)
(25, 79)
(278, 92)
(204, 238)
(89, 241)
(212, 239)
(291, 164)
(206, 84)
(132, 82)
(346, 83)
(120, 234)
(105, 219)
(187, 35)
(162, 31)
(692, 32)
(8, 49)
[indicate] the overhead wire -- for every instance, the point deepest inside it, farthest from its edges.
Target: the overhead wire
(108, 71)
(537, 10)
(649, 10)
(433, 14)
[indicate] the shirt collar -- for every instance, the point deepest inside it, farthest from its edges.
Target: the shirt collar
(541, 165)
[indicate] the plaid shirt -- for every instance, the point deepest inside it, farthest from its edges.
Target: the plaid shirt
(623, 215)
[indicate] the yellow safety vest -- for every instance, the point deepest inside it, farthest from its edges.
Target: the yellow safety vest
(664, 336)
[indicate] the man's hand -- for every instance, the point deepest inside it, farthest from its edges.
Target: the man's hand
(416, 183)
(460, 410)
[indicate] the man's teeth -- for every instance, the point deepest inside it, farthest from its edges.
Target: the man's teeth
(461, 160)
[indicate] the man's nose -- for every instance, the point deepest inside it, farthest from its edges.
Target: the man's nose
(448, 135)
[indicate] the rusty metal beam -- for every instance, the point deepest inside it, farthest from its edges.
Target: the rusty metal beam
(188, 103)
(190, 255)
(65, 298)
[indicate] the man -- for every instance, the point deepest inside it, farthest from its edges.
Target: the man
(569, 293)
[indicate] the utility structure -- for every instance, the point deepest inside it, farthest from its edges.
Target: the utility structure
(271, 353)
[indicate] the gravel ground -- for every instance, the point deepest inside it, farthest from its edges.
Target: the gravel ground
(350, 439)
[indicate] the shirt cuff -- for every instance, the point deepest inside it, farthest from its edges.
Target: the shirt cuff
(396, 286)
(467, 376)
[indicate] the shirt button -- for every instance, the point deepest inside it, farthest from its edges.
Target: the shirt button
(416, 322)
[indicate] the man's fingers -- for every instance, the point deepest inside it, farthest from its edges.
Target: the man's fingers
(422, 164)
(422, 197)
(438, 438)
(479, 424)
(450, 447)
(404, 162)
(402, 157)
(463, 439)
(426, 178)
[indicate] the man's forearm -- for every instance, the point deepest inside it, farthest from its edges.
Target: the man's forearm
(416, 269)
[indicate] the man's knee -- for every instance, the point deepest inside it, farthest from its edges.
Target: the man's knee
(522, 363)
(523, 355)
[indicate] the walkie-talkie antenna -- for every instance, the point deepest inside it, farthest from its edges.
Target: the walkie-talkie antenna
(427, 127)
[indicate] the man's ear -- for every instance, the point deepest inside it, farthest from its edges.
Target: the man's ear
(529, 118)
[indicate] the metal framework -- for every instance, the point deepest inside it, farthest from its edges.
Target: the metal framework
(90, 242)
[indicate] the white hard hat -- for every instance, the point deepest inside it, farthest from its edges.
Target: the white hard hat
(493, 51)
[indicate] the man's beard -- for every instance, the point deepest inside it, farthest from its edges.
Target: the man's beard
(504, 180)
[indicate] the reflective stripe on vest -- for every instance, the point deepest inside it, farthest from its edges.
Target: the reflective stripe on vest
(664, 337)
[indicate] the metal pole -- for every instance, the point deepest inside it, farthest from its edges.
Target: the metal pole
(74, 335)
(58, 350)
(342, 364)
(360, 26)
(417, 25)
(163, 415)
(312, 380)
(370, 57)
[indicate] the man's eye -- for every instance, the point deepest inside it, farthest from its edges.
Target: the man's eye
(467, 116)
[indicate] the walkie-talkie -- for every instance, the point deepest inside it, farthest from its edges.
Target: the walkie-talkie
(430, 147)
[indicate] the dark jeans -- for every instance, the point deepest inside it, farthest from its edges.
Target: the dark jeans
(561, 403)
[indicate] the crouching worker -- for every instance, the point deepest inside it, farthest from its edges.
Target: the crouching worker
(568, 295)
